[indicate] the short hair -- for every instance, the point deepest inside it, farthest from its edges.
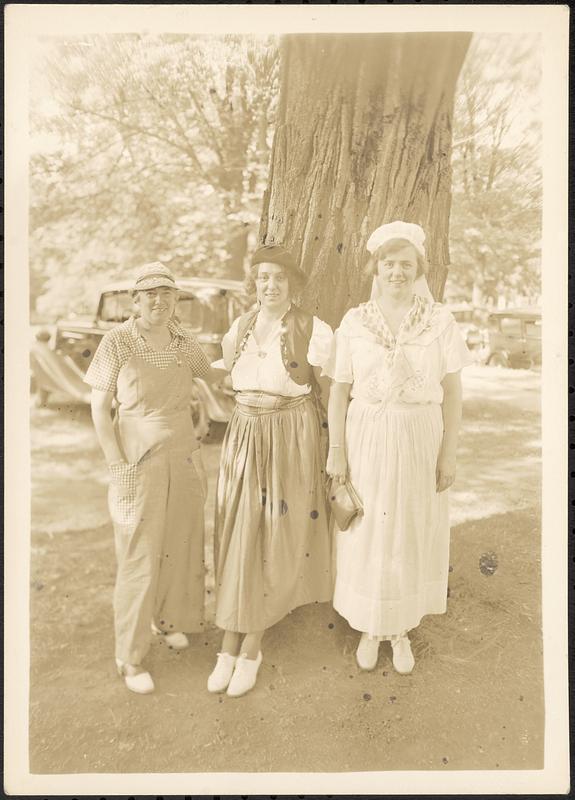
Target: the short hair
(296, 281)
(390, 247)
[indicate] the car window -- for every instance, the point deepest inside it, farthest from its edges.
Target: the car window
(204, 311)
(116, 306)
(510, 326)
(533, 329)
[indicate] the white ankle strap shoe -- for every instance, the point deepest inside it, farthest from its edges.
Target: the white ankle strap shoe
(222, 673)
(138, 682)
(403, 660)
(367, 652)
(245, 675)
(176, 640)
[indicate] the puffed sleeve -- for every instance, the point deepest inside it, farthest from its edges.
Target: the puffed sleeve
(229, 346)
(320, 343)
(103, 371)
(339, 366)
(455, 352)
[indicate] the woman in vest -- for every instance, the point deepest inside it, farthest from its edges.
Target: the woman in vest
(272, 544)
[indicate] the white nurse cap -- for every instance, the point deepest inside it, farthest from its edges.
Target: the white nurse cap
(397, 230)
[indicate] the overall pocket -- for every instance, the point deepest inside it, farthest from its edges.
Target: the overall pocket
(122, 492)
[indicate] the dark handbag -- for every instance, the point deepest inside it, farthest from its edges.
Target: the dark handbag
(345, 503)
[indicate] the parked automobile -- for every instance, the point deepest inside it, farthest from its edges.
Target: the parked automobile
(206, 306)
(514, 336)
(472, 323)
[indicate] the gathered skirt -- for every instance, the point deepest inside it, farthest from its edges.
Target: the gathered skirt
(272, 544)
(393, 563)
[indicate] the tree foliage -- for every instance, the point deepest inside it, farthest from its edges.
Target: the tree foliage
(158, 147)
(147, 147)
(497, 192)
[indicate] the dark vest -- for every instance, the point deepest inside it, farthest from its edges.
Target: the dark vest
(295, 341)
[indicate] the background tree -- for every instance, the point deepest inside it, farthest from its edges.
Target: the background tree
(497, 193)
(363, 136)
(147, 147)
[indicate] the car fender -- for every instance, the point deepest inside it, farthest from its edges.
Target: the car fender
(218, 405)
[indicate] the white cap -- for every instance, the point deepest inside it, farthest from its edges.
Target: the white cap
(409, 231)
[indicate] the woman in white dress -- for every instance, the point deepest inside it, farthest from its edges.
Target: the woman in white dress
(394, 416)
(272, 540)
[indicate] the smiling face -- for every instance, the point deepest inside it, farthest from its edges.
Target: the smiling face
(157, 306)
(397, 269)
(272, 286)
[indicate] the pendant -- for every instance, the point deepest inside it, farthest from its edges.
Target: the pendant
(261, 354)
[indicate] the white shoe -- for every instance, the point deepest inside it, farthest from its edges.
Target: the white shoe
(245, 675)
(139, 682)
(176, 640)
(403, 660)
(367, 652)
(222, 673)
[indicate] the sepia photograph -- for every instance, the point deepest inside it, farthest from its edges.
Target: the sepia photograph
(286, 346)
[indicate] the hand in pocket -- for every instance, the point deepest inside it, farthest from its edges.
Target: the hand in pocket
(123, 476)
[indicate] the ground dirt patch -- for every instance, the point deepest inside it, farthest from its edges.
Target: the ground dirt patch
(474, 701)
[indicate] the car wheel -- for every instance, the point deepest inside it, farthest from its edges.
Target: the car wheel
(522, 362)
(41, 398)
(497, 360)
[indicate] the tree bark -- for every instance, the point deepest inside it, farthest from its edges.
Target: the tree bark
(363, 137)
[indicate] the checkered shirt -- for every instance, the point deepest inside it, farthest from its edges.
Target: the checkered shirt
(121, 343)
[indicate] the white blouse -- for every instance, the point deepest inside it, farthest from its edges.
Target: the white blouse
(407, 368)
(260, 366)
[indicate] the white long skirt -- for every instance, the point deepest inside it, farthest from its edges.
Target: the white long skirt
(393, 563)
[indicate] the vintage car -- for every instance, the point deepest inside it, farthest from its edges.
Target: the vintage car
(206, 306)
(471, 321)
(514, 338)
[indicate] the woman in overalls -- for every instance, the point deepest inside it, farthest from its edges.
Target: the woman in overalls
(272, 544)
(157, 483)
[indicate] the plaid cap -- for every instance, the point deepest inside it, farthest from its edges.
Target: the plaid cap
(152, 276)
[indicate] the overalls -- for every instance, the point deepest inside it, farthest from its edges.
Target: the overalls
(156, 502)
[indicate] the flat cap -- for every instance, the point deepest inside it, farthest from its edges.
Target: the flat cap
(152, 276)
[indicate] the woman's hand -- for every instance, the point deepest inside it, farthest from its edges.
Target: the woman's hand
(337, 464)
(444, 472)
(101, 403)
(451, 411)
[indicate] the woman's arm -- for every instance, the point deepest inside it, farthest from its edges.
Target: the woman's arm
(323, 383)
(451, 410)
(336, 415)
(101, 403)
(215, 375)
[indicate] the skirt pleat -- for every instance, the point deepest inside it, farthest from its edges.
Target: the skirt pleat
(272, 544)
(392, 563)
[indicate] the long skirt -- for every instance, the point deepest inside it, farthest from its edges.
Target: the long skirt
(273, 550)
(393, 563)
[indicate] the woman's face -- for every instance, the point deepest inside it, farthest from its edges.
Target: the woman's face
(397, 270)
(272, 286)
(157, 306)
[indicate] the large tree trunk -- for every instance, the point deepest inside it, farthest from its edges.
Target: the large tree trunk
(363, 137)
